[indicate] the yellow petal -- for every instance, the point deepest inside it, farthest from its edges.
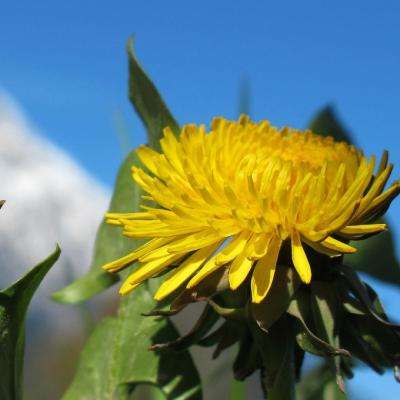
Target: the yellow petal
(264, 272)
(148, 157)
(239, 270)
(321, 249)
(126, 288)
(208, 269)
(184, 244)
(300, 260)
(131, 257)
(194, 242)
(233, 249)
(184, 271)
(152, 268)
(363, 229)
(136, 215)
(337, 245)
(259, 247)
(381, 201)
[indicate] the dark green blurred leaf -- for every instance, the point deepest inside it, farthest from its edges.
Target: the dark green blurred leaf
(147, 101)
(110, 244)
(248, 359)
(14, 302)
(244, 96)
(326, 123)
(116, 357)
(376, 255)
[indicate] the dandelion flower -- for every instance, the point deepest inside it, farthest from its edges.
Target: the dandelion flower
(232, 196)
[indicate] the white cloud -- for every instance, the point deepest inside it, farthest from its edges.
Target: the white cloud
(49, 199)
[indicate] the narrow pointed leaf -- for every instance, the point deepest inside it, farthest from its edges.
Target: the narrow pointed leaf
(14, 302)
(147, 101)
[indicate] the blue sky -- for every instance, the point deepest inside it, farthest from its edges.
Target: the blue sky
(65, 63)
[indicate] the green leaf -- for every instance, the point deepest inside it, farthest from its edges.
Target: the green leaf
(110, 244)
(116, 357)
(148, 102)
(376, 255)
(14, 302)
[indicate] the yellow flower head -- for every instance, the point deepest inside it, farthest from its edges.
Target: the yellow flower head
(229, 198)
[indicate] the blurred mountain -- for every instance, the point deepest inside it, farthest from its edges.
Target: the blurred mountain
(49, 199)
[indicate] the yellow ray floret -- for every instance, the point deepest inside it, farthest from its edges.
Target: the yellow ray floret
(231, 196)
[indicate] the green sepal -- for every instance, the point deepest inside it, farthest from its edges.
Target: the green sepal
(215, 284)
(300, 309)
(327, 318)
(232, 334)
(360, 291)
(204, 324)
(214, 337)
